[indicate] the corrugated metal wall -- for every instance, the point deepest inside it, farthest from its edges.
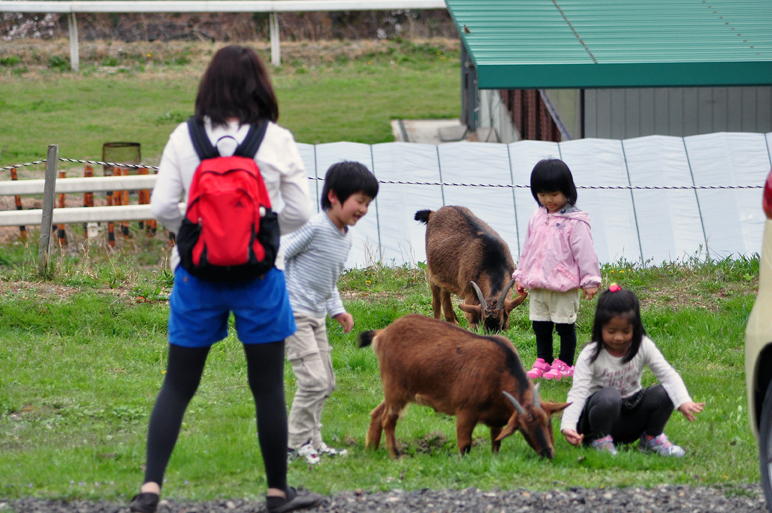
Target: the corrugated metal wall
(681, 112)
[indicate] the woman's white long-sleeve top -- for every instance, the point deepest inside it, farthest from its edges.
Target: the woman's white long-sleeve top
(277, 158)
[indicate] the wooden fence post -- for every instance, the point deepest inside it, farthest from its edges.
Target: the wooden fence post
(22, 229)
(49, 191)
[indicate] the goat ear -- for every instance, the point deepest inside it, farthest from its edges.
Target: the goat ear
(511, 305)
(470, 308)
(510, 428)
(553, 408)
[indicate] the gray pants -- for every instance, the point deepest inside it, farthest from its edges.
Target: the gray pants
(309, 353)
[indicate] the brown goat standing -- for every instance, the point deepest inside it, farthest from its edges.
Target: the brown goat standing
(432, 363)
(466, 257)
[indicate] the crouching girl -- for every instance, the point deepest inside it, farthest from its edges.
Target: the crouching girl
(608, 405)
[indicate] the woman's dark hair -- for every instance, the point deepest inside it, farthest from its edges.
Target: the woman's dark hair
(347, 178)
(622, 303)
(553, 175)
(236, 85)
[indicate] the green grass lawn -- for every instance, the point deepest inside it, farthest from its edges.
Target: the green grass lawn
(320, 99)
(82, 358)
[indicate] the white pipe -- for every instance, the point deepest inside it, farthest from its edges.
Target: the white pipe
(72, 25)
(275, 49)
(73, 185)
(218, 6)
(79, 215)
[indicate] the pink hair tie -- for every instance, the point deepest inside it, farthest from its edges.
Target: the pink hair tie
(614, 287)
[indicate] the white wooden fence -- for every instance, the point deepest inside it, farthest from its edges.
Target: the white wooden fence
(270, 6)
(33, 217)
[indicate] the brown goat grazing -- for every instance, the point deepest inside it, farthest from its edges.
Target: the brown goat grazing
(466, 257)
(479, 379)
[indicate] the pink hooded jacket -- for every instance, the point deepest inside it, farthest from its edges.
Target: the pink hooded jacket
(558, 254)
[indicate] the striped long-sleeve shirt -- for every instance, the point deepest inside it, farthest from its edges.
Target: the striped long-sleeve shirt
(314, 257)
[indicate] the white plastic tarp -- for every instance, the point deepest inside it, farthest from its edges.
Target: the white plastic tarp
(402, 238)
(653, 225)
(732, 218)
(601, 162)
(308, 154)
(495, 206)
(668, 221)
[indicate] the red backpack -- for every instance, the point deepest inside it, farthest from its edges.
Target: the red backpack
(229, 232)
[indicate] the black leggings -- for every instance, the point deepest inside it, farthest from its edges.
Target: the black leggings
(567, 332)
(265, 373)
(604, 414)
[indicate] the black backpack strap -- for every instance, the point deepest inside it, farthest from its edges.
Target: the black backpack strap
(251, 143)
(201, 142)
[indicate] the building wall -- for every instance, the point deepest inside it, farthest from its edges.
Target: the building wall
(494, 114)
(626, 113)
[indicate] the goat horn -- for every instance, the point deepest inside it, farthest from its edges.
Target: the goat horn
(480, 296)
(514, 402)
(503, 297)
(536, 398)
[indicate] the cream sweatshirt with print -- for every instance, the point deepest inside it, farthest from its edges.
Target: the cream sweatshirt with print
(609, 371)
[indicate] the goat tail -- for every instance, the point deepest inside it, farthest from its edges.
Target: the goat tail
(366, 337)
(423, 216)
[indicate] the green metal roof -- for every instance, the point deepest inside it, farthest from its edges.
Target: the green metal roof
(616, 43)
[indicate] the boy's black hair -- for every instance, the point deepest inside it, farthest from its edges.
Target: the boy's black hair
(347, 178)
(553, 175)
(236, 85)
(622, 303)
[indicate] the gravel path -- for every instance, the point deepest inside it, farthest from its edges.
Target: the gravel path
(743, 499)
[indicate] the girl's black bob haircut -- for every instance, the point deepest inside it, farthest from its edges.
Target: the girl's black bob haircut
(236, 85)
(553, 175)
(347, 178)
(622, 303)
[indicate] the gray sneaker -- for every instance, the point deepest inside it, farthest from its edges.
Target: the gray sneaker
(661, 445)
(605, 444)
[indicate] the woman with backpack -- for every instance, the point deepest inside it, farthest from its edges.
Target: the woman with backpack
(232, 162)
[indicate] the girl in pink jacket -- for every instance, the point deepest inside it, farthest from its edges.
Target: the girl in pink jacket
(557, 264)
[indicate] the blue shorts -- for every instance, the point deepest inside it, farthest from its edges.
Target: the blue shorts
(199, 310)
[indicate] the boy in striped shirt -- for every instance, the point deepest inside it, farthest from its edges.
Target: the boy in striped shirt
(314, 259)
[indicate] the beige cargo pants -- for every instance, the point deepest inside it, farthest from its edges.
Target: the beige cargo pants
(309, 353)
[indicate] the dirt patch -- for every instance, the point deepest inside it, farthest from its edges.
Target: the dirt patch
(435, 440)
(48, 292)
(361, 295)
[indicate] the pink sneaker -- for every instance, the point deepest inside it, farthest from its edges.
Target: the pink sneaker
(540, 367)
(559, 369)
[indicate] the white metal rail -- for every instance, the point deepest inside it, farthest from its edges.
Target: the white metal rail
(73, 215)
(272, 7)
(79, 215)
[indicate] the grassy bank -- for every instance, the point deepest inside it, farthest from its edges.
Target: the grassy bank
(82, 358)
(327, 92)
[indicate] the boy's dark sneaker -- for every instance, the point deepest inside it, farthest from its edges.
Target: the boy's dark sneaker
(295, 500)
(144, 503)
